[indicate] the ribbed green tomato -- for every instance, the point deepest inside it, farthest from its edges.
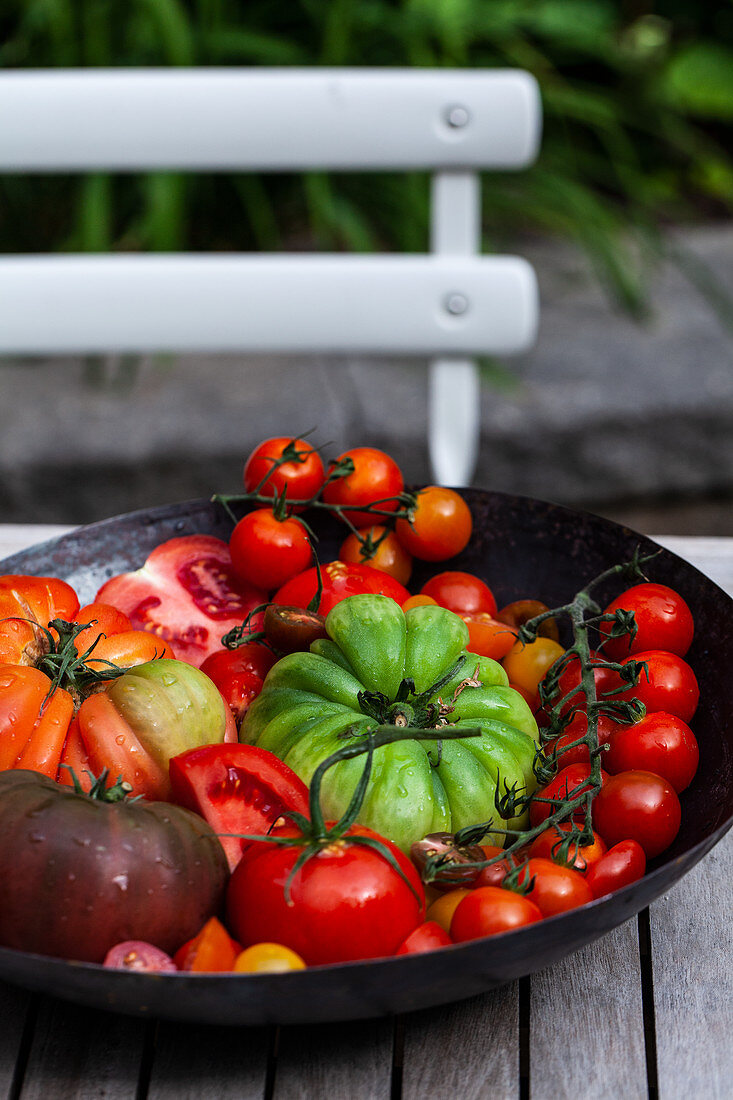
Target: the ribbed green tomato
(382, 666)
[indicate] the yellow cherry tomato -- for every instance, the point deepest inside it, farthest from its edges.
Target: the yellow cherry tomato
(526, 665)
(443, 908)
(419, 601)
(267, 958)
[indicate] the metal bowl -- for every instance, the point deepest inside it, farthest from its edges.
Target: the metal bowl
(523, 548)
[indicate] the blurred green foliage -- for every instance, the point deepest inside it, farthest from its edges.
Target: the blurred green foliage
(638, 102)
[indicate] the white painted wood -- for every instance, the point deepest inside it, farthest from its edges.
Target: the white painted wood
(275, 303)
(713, 556)
(19, 536)
(586, 1024)
(266, 119)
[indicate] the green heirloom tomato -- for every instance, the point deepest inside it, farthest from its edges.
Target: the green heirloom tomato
(381, 666)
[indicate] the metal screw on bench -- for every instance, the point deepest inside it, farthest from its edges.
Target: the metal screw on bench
(456, 304)
(457, 116)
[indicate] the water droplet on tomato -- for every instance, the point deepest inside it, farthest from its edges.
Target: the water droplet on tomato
(120, 739)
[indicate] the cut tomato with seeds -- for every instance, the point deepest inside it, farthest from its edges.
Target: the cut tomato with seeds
(186, 593)
(236, 789)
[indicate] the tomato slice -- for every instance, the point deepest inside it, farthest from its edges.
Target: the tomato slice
(186, 593)
(340, 579)
(237, 789)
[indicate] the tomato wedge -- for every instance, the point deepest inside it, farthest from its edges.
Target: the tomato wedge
(237, 789)
(186, 593)
(340, 579)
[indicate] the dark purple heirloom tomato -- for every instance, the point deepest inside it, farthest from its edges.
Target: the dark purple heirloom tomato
(79, 874)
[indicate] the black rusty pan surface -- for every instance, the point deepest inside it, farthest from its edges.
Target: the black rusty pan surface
(522, 548)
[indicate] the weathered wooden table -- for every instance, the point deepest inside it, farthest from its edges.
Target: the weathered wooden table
(646, 1011)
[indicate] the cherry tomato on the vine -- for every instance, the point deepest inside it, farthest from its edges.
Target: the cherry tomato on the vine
(388, 554)
(621, 865)
(667, 683)
(491, 909)
(461, 592)
(660, 743)
(527, 663)
(663, 621)
(547, 846)
(606, 682)
(440, 527)
(375, 479)
(267, 551)
(576, 728)
(302, 475)
(641, 806)
(571, 782)
(555, 888)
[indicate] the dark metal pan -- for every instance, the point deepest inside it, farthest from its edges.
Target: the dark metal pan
(523, 548)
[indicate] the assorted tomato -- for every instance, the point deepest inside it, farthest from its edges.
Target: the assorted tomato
(210, 645)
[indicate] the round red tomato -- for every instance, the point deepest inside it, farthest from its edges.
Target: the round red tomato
(267, 551)
(620, 866)
(461, 592)
(346, 902)
(606, 680)
(187, 594)
(302, 474)
(375, 479)
(547, 846)
(568, 783)
(576, 728)
(383, 551)
(495, 873)
(556, 888)
(667, 683)
(491, 909)
(239, 674)
(660, 743)
(440, 527)
(426, 937)
(641, 806)
(663, 621)
(340, 579)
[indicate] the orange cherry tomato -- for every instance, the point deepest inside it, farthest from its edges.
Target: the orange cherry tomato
(213, 949)
(527, 664)
(487, 637)
(440, 527)
(546, 845)
(419, 601)
(388, 555)
(442, 909)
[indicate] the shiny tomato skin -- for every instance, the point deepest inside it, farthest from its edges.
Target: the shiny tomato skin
(267, 551)
(570, 781)
(187, 594)
(622, 864)
(236, 789)
(426, 937)
(659, 743)
(347, 902)
(487, 636)
(576, 728)
(376, 479)
(34, 720)
(233, 673)
(389, 556)
(663, 621)
(519, 612)
(489, 910)
(463, 593)
(495, 873)
(440, 527)
(641, 806)
(340, 579)
(546, 846)
(302, 475)
(267, 958)
(556, 888)
(211, 951)
(292, 629)
(667, 684)
(441, 909)
(527, 663)
(606, 681)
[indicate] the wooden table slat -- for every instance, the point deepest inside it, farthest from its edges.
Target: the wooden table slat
(352, 1060)
(193, 1062)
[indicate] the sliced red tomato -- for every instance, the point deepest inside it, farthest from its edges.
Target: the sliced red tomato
(237, 789)
(187, 594)
(340, 579)
(212, 950)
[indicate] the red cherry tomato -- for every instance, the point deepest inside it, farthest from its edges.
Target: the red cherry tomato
(495, 873)
(606, 681)
(576, 728)
(490, 909)
(487, 636)
(568, 783)
(239, 674)
(460, 592)
(187, 594)
(376, 479)
(556, 888)
(441, 525)
(340, 579)
(668, 683)
(622, 864)
(659, 743)
(547, 846)
(236, 789)
(267, 551)
(638, 805)
(346, 902)
(389, 555)
(426, 937)
(302, 475)
(663, 621)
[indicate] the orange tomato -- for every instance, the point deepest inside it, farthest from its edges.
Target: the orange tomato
(487, 637)
(389, 556)
(441, 525)
(527, 664)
